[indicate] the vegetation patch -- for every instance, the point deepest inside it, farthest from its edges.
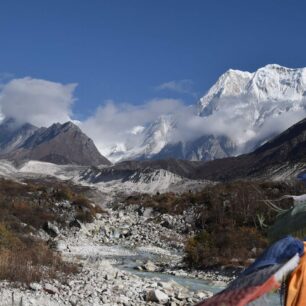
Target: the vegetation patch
(25, 208)
(230, 220)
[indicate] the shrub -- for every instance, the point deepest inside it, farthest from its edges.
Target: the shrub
(230, 219)
(63, 193)
(8, 240)
(24, 208)
(86, 211)
(225, 246)
(28, 265)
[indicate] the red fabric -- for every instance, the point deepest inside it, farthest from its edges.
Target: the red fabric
(241, 297)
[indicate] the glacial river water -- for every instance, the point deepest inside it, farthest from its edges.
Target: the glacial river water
(198, 285)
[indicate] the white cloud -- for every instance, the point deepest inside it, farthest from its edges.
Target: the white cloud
(275, 125)
(37, 101)
(42, 103)
(121, 125)
(179, 86)
(115, 124)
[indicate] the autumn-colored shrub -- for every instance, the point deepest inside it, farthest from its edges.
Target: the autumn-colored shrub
(226, 246)
(230, 219)
(32, 264)
(24, 209)
(63, 193)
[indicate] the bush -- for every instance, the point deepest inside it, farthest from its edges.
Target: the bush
(8, 240)
(86, 211)
(230, 219)
(33, 264)
(63, 193)
(226, 246)
(24, 208)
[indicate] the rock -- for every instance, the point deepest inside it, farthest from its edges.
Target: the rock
(165, 285)
(109, 277)
(73, 300)
(115, 234)
(51, 229)
(124, 300)
(65, 204)
(99, 216)
(50, 289)
(157, 296)
(35, 286)
(203, 295)
(182, 295)
(147, 212)
(149, 266)
(75, 223)
(167, 221)
(60, 246)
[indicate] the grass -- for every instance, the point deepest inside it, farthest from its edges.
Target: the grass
(32, 262)
(24, 209)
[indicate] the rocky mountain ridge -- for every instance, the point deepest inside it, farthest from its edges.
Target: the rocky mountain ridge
(59, 144)
(281, 158)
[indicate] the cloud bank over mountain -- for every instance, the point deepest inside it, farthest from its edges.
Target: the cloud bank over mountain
(117, 124)
(248, 108)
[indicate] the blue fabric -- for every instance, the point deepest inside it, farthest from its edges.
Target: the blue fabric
(278, 253)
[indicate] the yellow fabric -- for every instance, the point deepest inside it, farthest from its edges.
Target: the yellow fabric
(296, 289)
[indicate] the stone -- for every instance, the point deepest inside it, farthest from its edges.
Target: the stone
(75, 223)
(60, 246)
(201, 295)
(115, 234)
(182, 295)
(73, 300)
(50, 289)
(124, 300)
(51, 229)
(147, 212)
(35, 286)
(157, 296)
(149, 266)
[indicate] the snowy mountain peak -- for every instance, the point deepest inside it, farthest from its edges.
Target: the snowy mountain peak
(270, 83)
(274, 82)
(231, 83)
(238, 113)
(152, 139)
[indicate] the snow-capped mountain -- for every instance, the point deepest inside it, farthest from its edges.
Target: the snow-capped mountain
(207, 147)
(152, 139)
(270, 91)
(248, 101)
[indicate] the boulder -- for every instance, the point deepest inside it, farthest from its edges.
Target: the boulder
(51, 229)
(50, 289)
(75, 223)
(35, 286)
(157, 296)
(60, 246)
(149, 266)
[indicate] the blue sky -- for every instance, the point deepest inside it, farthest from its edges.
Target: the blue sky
(123, 50)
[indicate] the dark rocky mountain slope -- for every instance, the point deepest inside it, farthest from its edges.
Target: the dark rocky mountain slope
(59, 144)
(282, 153)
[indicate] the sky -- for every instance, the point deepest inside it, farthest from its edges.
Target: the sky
(86, 55)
